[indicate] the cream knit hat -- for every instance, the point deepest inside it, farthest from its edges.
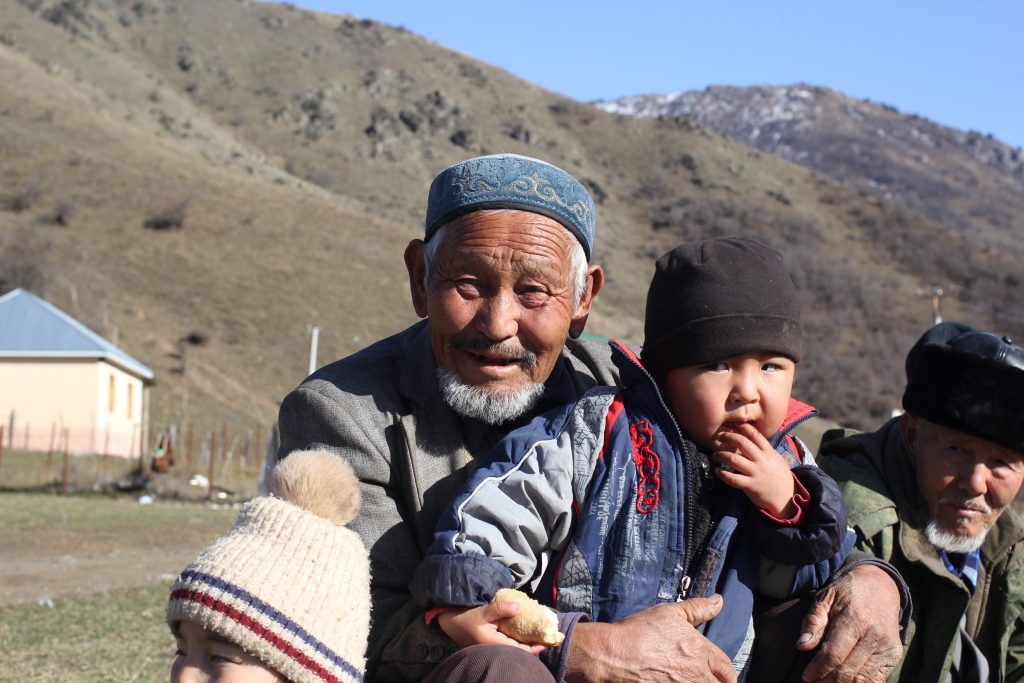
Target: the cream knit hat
(289, 583)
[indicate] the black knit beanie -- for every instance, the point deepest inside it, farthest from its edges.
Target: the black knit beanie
(719, 298)
(968, 380)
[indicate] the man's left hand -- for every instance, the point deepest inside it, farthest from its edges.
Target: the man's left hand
(854, 623)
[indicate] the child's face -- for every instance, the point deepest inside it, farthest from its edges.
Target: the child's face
(710, 399)
(205, 657)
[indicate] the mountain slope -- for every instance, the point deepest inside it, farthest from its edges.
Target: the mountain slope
(281, 173)
(966, 180)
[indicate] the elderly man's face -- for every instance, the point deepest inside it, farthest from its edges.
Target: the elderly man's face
(500, 299)
(966, 481)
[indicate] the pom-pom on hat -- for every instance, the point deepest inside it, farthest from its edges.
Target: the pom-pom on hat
(715, 299)
(511, 181)
(968, 380)
(289, 583)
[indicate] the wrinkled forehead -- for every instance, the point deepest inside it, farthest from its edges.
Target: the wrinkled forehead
(935, 435)
(503, 237)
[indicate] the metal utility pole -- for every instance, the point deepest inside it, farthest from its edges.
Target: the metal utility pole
(313, 341)
(935, 293)
(937, 305)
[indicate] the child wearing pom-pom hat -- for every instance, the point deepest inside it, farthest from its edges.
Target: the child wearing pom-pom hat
(285, 595)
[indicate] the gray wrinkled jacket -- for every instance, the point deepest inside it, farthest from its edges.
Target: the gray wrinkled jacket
(381, 410)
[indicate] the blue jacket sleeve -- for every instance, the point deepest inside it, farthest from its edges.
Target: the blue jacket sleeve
(802, 558)
(513, 515)
(822, 530)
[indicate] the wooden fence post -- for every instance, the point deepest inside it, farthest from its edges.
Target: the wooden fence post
(247, 450)
(58, 449)
(1, 446)
(53, 436)
(213, 460)
(142, 449)
(223, 445)
(64, 476)
(258, 448)
(106, 450)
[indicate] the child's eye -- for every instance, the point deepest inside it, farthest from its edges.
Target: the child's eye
(716, 367)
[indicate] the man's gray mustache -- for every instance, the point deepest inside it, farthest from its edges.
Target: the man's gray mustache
(977, 504)
(505, 349)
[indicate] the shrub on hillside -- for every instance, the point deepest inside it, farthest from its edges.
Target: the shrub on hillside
(169, 218)
(24, 196)
(60, 214)
(24, 260)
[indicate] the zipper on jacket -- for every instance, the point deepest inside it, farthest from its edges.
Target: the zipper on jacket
(684, 587)
(691, 454)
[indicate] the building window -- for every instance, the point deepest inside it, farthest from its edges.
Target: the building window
(111, 395)
(131, 397)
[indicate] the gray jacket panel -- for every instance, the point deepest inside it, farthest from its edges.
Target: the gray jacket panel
(381, 410)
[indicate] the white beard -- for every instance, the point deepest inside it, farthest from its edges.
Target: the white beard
(952, 543)
(489, 407)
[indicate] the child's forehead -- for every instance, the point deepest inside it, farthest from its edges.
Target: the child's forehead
(750, 355)
(187, 630)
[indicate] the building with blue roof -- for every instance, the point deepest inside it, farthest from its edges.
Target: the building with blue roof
(63, 384)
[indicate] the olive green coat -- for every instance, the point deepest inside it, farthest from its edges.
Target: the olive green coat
(889, 516)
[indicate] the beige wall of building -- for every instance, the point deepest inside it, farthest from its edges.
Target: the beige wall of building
(99, 405)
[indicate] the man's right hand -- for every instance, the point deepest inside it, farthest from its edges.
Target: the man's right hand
(656, 645)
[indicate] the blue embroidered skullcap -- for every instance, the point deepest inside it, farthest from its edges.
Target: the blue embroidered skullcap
(511, 181)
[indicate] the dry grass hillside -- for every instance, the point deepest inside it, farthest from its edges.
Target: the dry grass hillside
(242, 170)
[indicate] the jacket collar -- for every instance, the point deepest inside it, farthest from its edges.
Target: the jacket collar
(417, 369)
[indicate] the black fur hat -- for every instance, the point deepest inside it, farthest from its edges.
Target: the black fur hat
(968, 380)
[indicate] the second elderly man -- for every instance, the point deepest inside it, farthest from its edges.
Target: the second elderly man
(930, 492)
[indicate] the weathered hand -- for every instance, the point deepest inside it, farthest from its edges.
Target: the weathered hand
(754, 468)
(656, 645)
(855, 621)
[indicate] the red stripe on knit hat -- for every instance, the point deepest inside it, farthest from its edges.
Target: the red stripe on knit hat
(257, 628)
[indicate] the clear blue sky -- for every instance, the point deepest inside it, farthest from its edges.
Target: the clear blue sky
(959, 63)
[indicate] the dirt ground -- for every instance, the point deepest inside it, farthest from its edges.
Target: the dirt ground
(59, 547)
(35, 572)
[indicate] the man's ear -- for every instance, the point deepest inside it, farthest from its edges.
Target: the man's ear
(417, 269)
(595, 281)
(908, 432)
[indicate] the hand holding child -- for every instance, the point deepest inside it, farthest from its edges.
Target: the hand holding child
(756, 469)
(479, 626)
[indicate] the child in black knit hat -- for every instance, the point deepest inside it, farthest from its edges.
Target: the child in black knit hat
(722, 339)
(631, 497)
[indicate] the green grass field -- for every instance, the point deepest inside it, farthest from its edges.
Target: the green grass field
(114, 636)
(91, 633)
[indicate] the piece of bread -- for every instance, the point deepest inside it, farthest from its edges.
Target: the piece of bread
(534, 625)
